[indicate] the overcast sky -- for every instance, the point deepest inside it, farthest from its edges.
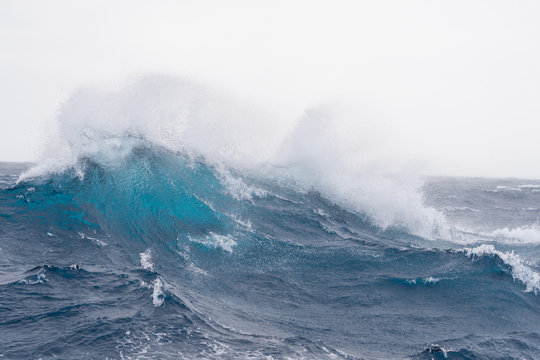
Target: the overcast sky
(459, 80)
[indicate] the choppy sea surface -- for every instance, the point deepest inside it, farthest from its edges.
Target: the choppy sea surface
(163, 256)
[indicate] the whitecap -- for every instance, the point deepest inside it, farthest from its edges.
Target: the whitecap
(225, 242)
(520, 269)
(519, 236)
(157, 294)
(146, 260)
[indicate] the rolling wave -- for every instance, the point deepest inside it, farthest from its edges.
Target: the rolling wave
(171, 254)
(167, 222)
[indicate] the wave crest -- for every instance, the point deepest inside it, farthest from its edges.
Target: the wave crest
(520, 269)
(326, 151)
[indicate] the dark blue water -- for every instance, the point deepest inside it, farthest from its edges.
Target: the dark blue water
(153, 257)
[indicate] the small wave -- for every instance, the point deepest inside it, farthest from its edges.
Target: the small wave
(244, 223)
(39, 274)
(158, 297)
(436, 349)
(520, 270)
(157, 287)
(225, 242)
(39, 278)
(515, 236)
(524, 187)
(157, 294)
(461, 208)
(146, 260)
(429, 280)
(529, 186)
(236, 187)
(95, 240)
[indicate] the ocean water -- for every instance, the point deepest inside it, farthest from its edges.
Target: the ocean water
(163, 256)
(165, 221)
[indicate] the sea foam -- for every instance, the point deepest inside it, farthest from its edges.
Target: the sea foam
(327, 150)
(521, 271)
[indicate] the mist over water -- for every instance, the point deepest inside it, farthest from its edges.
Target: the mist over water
(328, 148)
(452, 85)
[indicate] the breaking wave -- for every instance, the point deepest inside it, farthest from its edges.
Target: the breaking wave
(165, 221)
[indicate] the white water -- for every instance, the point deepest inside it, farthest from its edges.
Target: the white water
(328, 149)
(518, 236)
(521, 271)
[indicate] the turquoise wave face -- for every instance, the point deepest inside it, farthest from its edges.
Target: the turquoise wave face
(163, 255)
(147, 195)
